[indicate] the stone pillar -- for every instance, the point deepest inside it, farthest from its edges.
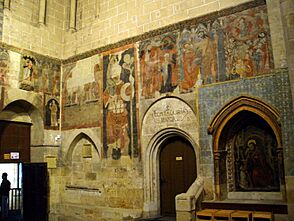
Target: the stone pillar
(277, 36)
(73, 13)
(287, 13)
(287, 8)
(7, 4)
(42, 11)
(216, 156)
(97, 7)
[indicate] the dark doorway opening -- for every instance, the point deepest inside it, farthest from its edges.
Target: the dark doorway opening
(177, 172)
(28, 197)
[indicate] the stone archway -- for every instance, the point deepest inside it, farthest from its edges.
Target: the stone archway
(77, 137)
(23, 111)
(166, 118)
(249, 122)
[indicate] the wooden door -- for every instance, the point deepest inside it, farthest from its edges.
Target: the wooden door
(177, 172)
(15, 137)
(35, 192)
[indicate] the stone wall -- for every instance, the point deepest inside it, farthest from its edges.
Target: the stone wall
(31, 100)
(144, 54)
(101, 23)
(22, 27)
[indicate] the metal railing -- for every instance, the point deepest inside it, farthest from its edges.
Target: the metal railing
(15, 199)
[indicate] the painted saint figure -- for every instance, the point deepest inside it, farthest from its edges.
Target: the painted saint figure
(259, 171)
(27, 81)
(115, 98)
(53, 114)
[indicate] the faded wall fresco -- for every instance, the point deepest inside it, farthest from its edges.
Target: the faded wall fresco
(4, 66)
(81, 93)
(256, 164)
(52, 112)
(30, 72)
(159, 65)
(220, 49)
(120, 133)
(39, 75)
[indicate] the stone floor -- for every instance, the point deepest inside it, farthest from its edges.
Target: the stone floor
(161, 218)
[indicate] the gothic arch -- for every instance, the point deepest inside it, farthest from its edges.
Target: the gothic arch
(73, 142)
(153, 137)
(151, 166)
(223, 119)
(23, 111)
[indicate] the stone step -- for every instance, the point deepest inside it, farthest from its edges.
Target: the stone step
(159, 218)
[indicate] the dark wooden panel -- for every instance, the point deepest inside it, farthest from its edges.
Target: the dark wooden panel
(177, 172)
(35, 192)
(15, 137)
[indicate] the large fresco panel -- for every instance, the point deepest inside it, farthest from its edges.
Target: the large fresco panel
(159, 65)
(82, 93)
(199, 47)
(120, 130)
(217, 49)
(39, 74)
(247, 43)
(4, 66)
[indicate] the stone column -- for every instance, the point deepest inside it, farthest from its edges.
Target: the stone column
(6, 4)
(216, 156)
(287, 8)
(73, 13)
(287, 13)
(42, 11)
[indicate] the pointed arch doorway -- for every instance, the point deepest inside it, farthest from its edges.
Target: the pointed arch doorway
(177, 171)
(248, 151)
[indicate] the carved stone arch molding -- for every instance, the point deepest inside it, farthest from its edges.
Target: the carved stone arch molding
(165, 118)
(74, 140)
(29, 111)
(224, 128)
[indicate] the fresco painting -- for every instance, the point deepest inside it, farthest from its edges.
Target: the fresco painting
(198, 56)
(247, 43)
(256, 164)
(4, 66)
(159, 65)
(81, 91)
(226, 48)
(39, 75)
(119, 105)
(81, 88)
(52, 110)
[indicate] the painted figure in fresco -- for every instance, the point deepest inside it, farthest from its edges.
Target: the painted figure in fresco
(259, 171)
(29, 74)
(56, 82)
(246, 44)
(115, 96)
(4, 67)
(28, 68)
(167, 84)
(192, 63)
(150, 69)
(159, 68)
(45, 77)
(53, 113)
